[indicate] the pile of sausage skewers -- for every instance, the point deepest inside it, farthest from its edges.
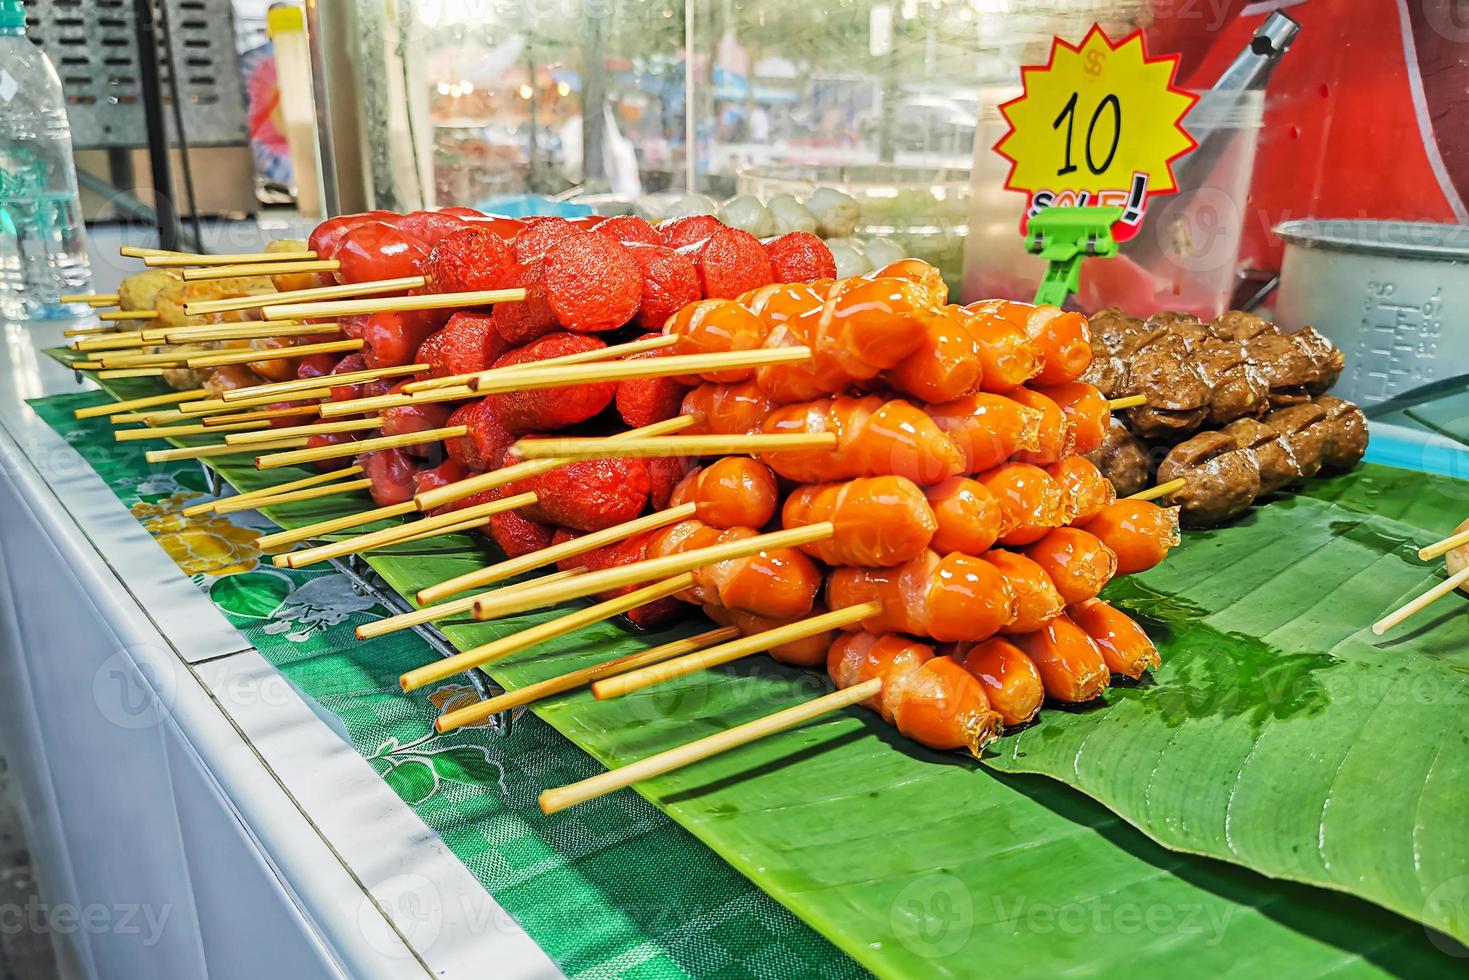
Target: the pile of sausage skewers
(942, 538)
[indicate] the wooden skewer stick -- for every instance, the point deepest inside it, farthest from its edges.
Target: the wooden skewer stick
(234, 505)
(173, 260)
(290, 411)
(427, 301)
(1422, 602)
(1161, 490)
(218, 449)
(745, 646)
(304, 296)
(283, 268)
(86, 297)
(457, 606)
(413, 529)
(494, 605)
(579, 678)
(90, 331)
(271, 542)
(438, 497)
(708, 445)
(213, 406)
(540, 633)
(139, 252)
(376, 403)
(150, 401)
(315, 428)
(1445, 546)
(113, 340)
(177, 431)
(1126, 401)
(265, 492)
(275, 353)
(580, 357)
(555, 800)
(80, 365)
(512, 567)
(258, 331)
(132, 358)
(132, 372)
(360, 446)
(532, 376)
(113, 316)
(330, 380)
(102, 302)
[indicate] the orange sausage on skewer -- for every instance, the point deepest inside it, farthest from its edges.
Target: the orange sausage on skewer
(1083, 488)
(715, 325)
(969, 517)
(953, 598)
(1032, 503)
(1062, 339)
(1086, 410)
(779, 584)
(987, 428)
(1138, 532)
(1037, 601)
(1006, 356)
(808, 652)
(1011, 682)
(1079, 564)
(733, 491)
(929, 699)
(874, 438)
(918, 272)
(1071, 667)
(737, 409)
(1124, 646)
(946, 364)
(879, 521)
(1055, 441)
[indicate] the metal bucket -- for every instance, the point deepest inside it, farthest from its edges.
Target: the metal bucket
(1382, 291)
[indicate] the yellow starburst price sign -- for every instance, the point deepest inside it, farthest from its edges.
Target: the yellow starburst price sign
(1100, 124)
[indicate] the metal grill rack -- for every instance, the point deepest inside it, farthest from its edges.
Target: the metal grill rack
(94, 45)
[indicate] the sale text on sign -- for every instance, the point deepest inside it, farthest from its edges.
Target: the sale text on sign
(1100, 124)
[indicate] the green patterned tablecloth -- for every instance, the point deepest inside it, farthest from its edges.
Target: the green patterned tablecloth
(609, 889)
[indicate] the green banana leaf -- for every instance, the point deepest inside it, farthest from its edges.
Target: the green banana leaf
(917, 863)
(1280, 733)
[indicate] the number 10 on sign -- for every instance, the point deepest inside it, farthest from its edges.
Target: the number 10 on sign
(1100, 124)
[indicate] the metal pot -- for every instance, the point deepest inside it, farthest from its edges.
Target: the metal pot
(1383, 292)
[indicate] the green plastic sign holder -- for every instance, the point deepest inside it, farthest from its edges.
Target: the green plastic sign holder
(1063, 236)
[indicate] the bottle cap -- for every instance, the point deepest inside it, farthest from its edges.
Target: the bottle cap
(12, 14)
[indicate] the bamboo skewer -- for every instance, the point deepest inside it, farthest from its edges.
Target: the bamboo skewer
(275, 354)
(213, 406)
(302, 297)
(285, 267)
(173, 260)
(413, 529)
(512, 567)
(331, 380)
(736, 649)
(579, 678)
(218, 449)
(104, 328)
(129, 358)
(289, 411)
(533, 376)
(376, 403)
(361, 446)
(139, 252)
(438, 497)
(1161, 490)
(1422, 602)
(1126, 401)
(149, 401)
(299, 307)
(1445, 546)
(451, 608)
(267, 492)
(540, 633)
(270, 542)
(235, 505)
(495, 606)
(177, 431)
(131, 372)
(580, 357)
(706, 445)
(260, 331)
(315, 428)
(555, 800)
(86, 297)
(113, 339)
(114, 316)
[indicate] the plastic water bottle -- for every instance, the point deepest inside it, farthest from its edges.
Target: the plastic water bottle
(43, 246)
